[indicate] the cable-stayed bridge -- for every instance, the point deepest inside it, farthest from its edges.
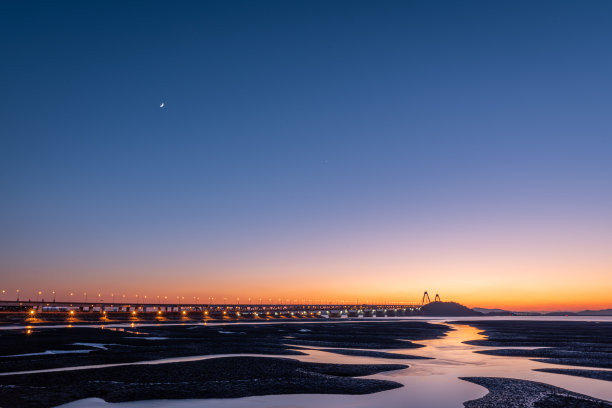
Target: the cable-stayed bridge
(101, 310)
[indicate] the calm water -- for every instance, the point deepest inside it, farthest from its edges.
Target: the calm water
(318, 321)
(427, 383)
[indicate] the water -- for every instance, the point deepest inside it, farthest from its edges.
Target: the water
(441, 319)
(427, 383)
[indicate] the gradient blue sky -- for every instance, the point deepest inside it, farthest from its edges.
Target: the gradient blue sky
(309, 149)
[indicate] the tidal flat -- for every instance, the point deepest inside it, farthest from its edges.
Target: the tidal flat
(585, 344)
(212, 378)
(141, 343)
(508, 392)
(339, 364)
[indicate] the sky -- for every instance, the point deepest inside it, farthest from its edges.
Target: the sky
(310, 150)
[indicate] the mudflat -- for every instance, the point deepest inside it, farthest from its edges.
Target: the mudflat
(513, 393)
(61, 347)
(586, 344)
(125, 345)
(213, 378)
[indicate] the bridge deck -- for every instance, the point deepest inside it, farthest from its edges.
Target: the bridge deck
(109, 306)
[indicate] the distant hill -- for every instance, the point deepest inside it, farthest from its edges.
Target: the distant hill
(604, 312)
(486, 311)
(447, 309)
(502, 312)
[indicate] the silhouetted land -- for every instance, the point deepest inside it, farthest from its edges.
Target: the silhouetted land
(447, 309)
(502, 312)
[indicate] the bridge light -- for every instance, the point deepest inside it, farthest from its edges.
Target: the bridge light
(32, 311)
(184, 312)
(71, 313)
(133, 313)
(159, 312)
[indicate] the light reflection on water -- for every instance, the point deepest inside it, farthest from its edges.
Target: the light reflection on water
(441, 319)
(427, 383)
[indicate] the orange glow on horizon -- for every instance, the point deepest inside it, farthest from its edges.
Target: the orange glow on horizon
(511, 297)
(510, 271)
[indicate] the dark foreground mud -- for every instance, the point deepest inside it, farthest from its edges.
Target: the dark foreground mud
(587, 344)
(106, 346)
(215, 378)
(596, 374)
(512, 393)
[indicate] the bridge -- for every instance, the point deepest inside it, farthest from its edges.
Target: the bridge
(110, 311)
(34, 307)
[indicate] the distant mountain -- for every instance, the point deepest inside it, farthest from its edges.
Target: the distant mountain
(502, 312)
(447, 309)
(603, 312)
(486, 311)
